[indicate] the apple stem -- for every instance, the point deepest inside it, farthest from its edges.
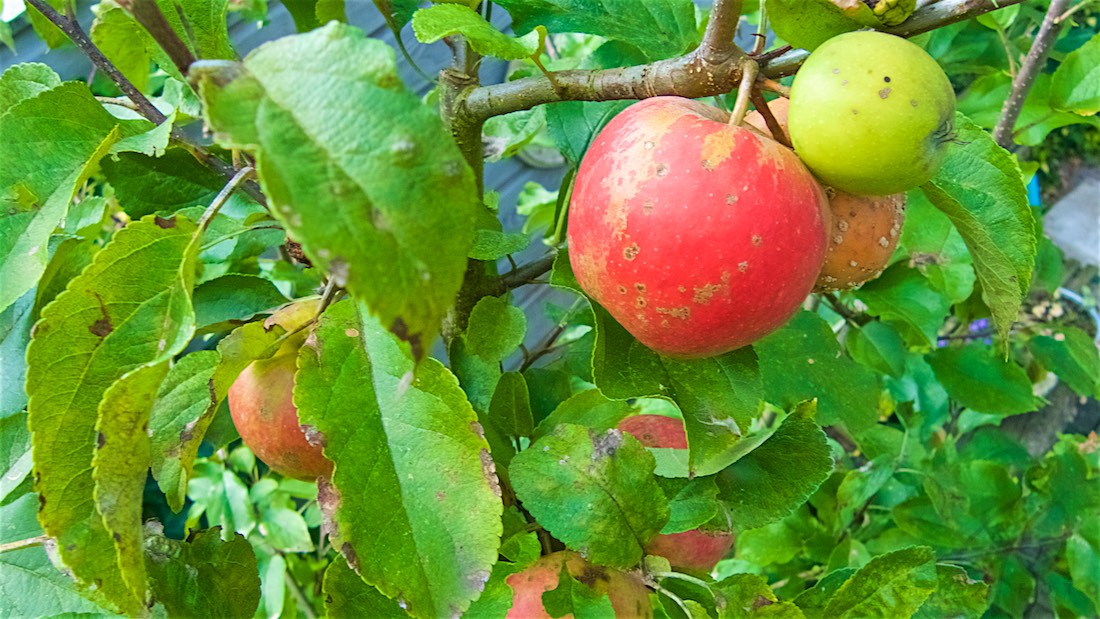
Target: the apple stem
(777, 131)
(766, 83)
(749, 70)
(684, 577)
(675, 598)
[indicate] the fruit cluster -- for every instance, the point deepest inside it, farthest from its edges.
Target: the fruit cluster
(701, 237)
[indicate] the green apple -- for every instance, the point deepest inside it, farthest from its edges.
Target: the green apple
(871, 113)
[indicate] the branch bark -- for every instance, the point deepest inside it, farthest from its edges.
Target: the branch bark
(700, 73)
(1033, 65)
(76, 33)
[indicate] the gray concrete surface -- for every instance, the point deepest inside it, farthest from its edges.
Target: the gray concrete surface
(1073, 223)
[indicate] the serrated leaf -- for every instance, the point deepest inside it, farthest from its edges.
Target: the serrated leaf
(936, 249)
(595, 492)
(877, 345)
(956, 596)
(571, 598)
(496, 599)
(660, 28)
(691, 502)
(183, 410)
(166, 184)
(32, 587)
(980, 188)
(590, 409)
(119, 468)
(495, 329)
(44, 28)
(510, 408)
(813, 601)
(15, 334)
(23, 81)
(206, 29)
(51, 142)
(747, 596)
(903, 297)
(1083, 556)
(803, 360)
(346, 595)
(124, 42)
(204, 578)
(494, 245)
(719, 396)
(891, 585)
(860, 485)
(15, 453)
(1071, 354)
(392, 221)
(1076, 84)
(414, 501)
(131, 307)
(778, 476)
(443, 20)
(234, 297)
(808, 24)
(978, 378)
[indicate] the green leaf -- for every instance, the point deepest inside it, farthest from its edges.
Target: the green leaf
(234, 297)
(719, 396)
(691, 502)
(1071, 354)
(980, 188)
(51, 143)
(860, 485)
(5, 36)
(808, 24)
(119, 468)
(903, 297)
(660, 28)
(936, 249)
(978, 378)
(956, 596)
(495, 329)
(204, 577)
(444, 20)
(392, 220)
(1013, 586)
(1075, 86)
(286, 529)
(494, 245)
(747, 596)
(15, 334)
(414, 501)
(510, 409)
(594, 492)
(346, 595)
(982, 103)
(49, 33)
(397, 12)
(877, 345)
(813, 601)
(891, 585)
(775, 478)
(206, 28)
(589, 408)
(23, 81)
(571, 598)
(33, 587)
(803, 360)
(124, 42)
(184, 408)
(165, 184)
(130, 308)
(15, 453)
(1083, 556)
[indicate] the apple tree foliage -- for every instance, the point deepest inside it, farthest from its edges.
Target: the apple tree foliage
(866, 454)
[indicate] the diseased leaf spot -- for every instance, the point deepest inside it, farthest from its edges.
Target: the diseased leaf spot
(101, 327)
(489, 471)
(118, 538)
(165, 222)
(351, 332)
(605, 445)
(100, 440)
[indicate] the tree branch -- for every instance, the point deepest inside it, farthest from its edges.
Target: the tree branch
(526, 273)
(1033, 65)
(148, 14)
(694, 75)
(72, 29)
(717, 42)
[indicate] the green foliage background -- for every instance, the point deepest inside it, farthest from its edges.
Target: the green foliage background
(876, 457)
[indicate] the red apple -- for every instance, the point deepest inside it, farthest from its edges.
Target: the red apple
(262, 405)
(698, 237)
(697, 549)
(629, 597)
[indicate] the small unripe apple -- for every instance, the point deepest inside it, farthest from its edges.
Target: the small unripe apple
(261, 402)
(865, 232)
(871, 113)
(629, 597)
(698, 237)
(697, 549)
